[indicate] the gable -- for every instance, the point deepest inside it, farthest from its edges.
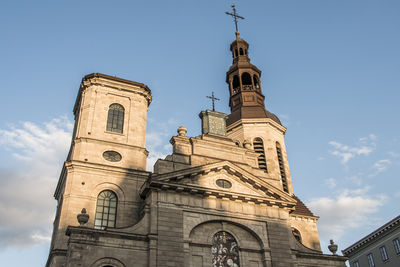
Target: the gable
(211, 180)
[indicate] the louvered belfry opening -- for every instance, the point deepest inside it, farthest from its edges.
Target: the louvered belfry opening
(259, 148)
(282, 168)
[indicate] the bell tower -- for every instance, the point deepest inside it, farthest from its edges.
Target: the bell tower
(106, 164)
(250, 124)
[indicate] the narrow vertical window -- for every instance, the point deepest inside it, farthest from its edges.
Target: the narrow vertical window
(256, 83)
(396, 243)
(371, 260)
(235, 84)
(225, 250)
(384, 254)
(356, 264)
(259, 148)
(282, 168)
(106, 210)
(115, 119)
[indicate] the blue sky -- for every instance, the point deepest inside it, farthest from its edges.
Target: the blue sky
(330, 72)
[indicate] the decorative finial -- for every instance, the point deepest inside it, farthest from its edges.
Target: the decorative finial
(213, 98)
(182, 131)
(333, 247)
(83, 218)
(235, 18)
(246, 144)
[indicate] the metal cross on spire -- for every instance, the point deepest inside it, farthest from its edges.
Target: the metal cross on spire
(235, 17)
(213, 98)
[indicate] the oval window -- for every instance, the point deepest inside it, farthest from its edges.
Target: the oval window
(113, 156)
(224, 183)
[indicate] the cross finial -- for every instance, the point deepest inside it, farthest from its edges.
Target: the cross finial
(235, 17)
(213, 98)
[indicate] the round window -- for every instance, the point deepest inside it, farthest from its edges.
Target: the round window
(224, 183)
(113, 156)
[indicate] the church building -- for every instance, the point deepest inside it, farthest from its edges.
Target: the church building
(222, 198)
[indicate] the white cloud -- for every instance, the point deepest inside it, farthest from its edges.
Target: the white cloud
(349, 210)
(394, 154)
(28, 182)
(355, 179)
(380, 166)
(157, 141)
(345, 152)
(331, 182)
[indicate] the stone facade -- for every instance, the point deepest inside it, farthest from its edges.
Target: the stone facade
(222, 198)
(382, 247)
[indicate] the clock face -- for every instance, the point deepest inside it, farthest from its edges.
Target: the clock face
(112, 156)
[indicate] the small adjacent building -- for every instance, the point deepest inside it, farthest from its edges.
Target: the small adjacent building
(379, 248)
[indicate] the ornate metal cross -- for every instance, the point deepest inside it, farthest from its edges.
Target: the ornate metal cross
(235, 17)
(213, 98)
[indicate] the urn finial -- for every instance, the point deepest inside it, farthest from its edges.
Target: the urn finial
(333, 247)
(182, 131)
(247, 144)
(82, 217)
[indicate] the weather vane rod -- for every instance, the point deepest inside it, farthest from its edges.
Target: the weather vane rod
(235, 17)
(213, 98)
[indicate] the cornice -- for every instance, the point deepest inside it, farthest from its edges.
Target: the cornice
(78, 163)
(108, 233)
(167, 181)
(314, 218)
(99, 79)
(207, 192)
(141, 149)
(256, 121)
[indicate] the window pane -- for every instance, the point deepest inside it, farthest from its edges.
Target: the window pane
(115, 118)
(106, 209)
(396, 244)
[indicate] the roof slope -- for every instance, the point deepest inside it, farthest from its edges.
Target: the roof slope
(301, 208)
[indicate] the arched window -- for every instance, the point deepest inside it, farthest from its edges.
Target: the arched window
(259, 148)
(241, 51)
(296, 234)
(246, 79)
(235, 84)
(106, 210)
(256, 82)
(237, 53)
(115, 119)
(282, 168)
(225, 250)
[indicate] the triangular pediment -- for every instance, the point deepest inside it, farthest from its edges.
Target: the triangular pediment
(222, 179)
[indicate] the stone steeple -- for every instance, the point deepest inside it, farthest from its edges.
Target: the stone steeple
(246, 97)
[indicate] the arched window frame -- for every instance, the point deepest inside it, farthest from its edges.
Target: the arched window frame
(241, 51)
(247, 83)
(282, 168)
(235, 84)
(258, 145)
(115, 118)
(106, 210)
(296, 233)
